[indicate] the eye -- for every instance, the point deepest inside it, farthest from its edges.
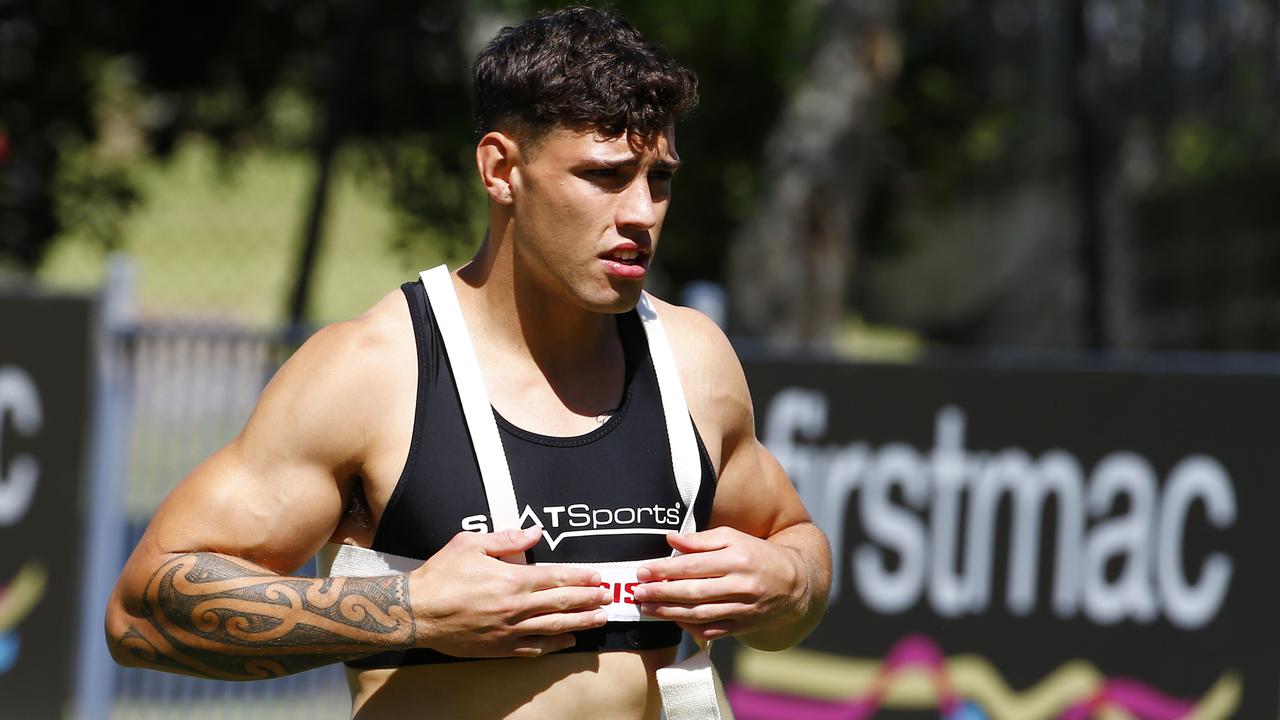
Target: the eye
(609, 179)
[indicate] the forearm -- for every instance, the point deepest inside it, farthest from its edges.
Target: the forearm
(221, 617)
(812, 585)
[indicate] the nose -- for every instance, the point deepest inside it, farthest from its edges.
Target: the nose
(637, 207)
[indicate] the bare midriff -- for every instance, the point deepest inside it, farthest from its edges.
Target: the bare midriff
(603, 686)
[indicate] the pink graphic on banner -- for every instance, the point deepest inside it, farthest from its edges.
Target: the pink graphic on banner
(911, 652)
(1138, 699)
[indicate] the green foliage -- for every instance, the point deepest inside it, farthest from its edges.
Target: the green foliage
(248, 75)
(436, 199)
(994, 92)
(45, 101)
(390, 79)
(94, 196)
(981, 100)
(960, 111)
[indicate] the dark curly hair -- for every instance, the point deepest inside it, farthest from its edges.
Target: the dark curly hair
(579, 68)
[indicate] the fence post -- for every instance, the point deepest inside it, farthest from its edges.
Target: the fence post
(104, 513)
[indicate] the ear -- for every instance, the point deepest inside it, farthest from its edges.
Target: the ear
(496, 156)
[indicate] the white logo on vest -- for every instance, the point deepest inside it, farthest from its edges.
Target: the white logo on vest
(582, 520)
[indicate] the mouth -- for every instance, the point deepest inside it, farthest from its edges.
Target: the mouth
(626, 262)
(627, 256)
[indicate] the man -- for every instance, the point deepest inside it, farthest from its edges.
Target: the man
(361, 440)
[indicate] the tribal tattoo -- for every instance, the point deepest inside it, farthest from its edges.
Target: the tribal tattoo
(208, 615)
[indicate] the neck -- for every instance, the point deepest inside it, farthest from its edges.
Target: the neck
(510, 306)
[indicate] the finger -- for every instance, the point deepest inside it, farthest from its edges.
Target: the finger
(701, 614)
(702, 633)
(558, 600)
(505, 542)
(539, 646)
(541, 577)
(705, 541)
(694, 591)
(695, 565)
(559, 623)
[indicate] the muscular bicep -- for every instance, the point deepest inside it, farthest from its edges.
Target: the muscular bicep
(272, 512)
(754, 494)
(274, 515)
(276, 493)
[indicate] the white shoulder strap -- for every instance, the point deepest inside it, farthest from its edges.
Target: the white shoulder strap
(685, 459)
(475, 400)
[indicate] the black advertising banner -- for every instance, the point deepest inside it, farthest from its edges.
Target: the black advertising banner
(44, 389)
(1029, 543)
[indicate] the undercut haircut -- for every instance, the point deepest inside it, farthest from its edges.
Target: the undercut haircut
(579, 68)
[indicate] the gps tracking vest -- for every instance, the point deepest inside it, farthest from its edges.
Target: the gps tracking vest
(689, 688)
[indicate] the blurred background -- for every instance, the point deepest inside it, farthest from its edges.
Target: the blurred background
(866, 181)
(959, 173)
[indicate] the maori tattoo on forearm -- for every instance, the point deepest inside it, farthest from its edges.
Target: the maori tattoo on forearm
(209, 615)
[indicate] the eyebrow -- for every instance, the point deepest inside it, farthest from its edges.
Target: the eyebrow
(609, 164)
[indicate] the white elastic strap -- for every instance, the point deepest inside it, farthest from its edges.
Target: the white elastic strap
(685, 459)
(474, 398)
(691, 690)
(352, 561)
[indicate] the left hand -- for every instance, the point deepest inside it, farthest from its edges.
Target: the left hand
(726, 583)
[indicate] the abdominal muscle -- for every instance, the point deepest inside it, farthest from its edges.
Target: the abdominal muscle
(609, 686)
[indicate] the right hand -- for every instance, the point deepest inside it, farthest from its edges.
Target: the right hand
(468, 603)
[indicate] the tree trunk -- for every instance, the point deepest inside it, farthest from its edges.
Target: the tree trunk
(789, 268)
(338, 77)
(309, 249)
(1090, 177)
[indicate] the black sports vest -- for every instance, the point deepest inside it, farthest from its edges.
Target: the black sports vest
(607, 496)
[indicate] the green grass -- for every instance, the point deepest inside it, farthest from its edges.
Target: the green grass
(220, 243)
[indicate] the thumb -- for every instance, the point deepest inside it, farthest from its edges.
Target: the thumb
(507, 542)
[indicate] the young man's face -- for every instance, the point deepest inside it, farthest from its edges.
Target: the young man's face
(588, 211)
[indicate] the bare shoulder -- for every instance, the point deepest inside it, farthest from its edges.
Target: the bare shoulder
(331, 394)
(695, 338)
(353, 353)
(382, 327)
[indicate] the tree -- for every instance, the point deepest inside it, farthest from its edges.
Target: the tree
(377, 76)
(791, 264)
(390, 81)
(46, 119)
